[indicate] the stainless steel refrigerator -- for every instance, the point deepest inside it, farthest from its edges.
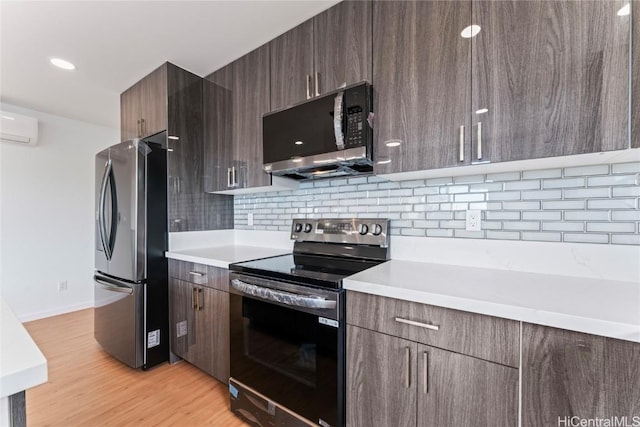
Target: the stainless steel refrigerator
(131, 307)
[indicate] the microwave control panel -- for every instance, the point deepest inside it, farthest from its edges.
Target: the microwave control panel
(357, 130)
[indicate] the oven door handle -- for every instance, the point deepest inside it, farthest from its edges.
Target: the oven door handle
(288, 298)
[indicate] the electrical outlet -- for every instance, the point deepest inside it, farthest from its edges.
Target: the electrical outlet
(250, 218)
(62, 286)
(473, 220)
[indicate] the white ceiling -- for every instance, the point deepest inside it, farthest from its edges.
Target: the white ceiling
(115, 43)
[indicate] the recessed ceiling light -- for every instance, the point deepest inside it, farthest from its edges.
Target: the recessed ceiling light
(298, 142)
(470, 31)
(624, 10)
(61, 63)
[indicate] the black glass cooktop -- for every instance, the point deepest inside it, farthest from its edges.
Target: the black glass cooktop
(314, 270)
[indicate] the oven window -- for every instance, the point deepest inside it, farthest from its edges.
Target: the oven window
(282, 340)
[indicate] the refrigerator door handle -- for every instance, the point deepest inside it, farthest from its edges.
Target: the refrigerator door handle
(115, 217)
(102, 228)
(112, 285)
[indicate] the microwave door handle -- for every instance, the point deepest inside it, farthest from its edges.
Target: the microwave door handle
(102, 227)
(338, 120)
(282, 297)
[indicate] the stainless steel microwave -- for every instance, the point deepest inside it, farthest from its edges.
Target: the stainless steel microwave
(326, 136)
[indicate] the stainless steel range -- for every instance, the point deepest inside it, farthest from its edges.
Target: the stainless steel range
(288, 323)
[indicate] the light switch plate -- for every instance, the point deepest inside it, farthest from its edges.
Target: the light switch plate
(473, 220)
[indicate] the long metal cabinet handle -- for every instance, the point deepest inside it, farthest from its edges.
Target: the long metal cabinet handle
(194, 298)
(229, 184)
(197, 273)
(479, 140)
(461, 143)
(425, 372)
(419, 324)
(407, 372)
(308, 77)
(234, 176)
(317, 83)
(288, 298)
(200, 299)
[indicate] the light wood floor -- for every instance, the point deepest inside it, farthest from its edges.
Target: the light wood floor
(87, 387)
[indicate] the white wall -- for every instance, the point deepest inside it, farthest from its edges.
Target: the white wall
(46, 215)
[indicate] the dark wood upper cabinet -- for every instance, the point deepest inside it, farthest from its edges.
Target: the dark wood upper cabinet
(422, 85)
(218, 129)
(143, 107)
(635, 93)
(566, 374)
(321, 54)
(540, 79)
(250, 101)
(236, 97)
(292, 66)
(342, 44)
(171, 99)
(553, 77)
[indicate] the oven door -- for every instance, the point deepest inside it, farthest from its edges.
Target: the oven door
(286, 344)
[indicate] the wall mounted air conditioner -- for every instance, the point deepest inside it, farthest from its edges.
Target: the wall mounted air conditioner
(18, 128)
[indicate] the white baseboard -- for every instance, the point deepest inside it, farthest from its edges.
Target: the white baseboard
(55, 311)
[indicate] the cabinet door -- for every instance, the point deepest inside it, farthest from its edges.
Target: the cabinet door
(459, 390)
(292, 66)
(130, 101)
(622, 378)
(553, 77)
(210, 351)
(342, 45)
(422, 85)
(218, 126)
(250, 102)
(381, 382)
(154, 101)
(635, 93)
(185, 163)
(562, 375)
(181, 316)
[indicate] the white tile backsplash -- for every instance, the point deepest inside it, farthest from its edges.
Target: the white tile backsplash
(585, 204)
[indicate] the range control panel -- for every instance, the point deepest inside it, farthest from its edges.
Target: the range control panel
(374, 231)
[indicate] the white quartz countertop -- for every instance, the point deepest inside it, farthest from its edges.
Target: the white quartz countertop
(222, 256)
(22, 364)
(603, 307)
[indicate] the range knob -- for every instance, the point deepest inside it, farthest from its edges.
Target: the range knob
(298, 227)
(307, 228)
(377, 229)
(363, 229)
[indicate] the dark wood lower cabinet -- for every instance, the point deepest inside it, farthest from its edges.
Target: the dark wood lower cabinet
(396, 382)
(199, 325)
(459, 390)
(381, 385)
(569, 374)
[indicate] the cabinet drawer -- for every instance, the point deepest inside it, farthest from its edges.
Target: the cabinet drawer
(485, 337)
(200, 274)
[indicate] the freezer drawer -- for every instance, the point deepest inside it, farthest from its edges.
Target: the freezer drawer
(119, 319)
